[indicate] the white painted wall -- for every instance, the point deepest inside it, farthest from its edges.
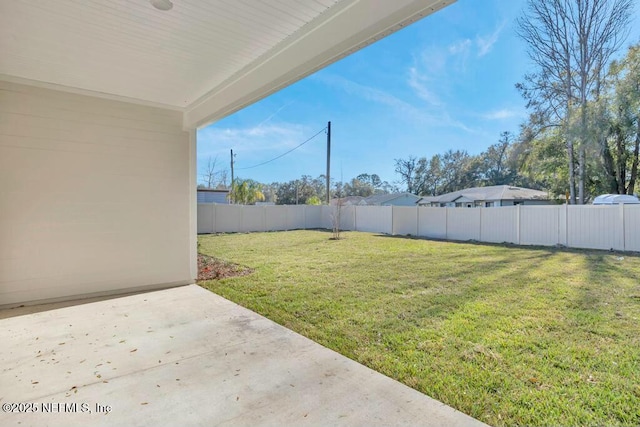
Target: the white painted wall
(95, 196)
(590, 227)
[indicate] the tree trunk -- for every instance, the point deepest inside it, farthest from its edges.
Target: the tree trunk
(572, 176)
(581, 173)
(622, 162)
(609, 168)
(582, 157)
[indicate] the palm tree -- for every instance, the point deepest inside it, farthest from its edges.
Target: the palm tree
(246, 192)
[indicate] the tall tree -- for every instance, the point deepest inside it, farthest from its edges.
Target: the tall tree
(496, 169)
(210, 174)
(621, 110)
(571, 42)
(406, 168)
(360, 188)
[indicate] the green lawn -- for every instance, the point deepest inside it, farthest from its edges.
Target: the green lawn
(511, 336)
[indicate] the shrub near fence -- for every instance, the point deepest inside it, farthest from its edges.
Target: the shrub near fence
(592, 227)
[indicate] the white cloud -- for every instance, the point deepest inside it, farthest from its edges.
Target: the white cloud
(502, 114)
(433, 116)
(418, 82)
(368, 93)
(216, 141)
(485, 43)
(274, 114)
(460, 47)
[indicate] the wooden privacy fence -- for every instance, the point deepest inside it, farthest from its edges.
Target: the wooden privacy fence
(594, 227)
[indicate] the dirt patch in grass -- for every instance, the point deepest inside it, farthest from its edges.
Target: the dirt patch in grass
(210, 268)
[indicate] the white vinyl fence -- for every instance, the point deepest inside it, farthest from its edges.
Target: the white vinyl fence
(594, 227)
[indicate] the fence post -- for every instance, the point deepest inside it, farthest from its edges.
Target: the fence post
(621, 211)
(518, 225)
(393, 225)
(355, 218)
(213, 218)
(446, 223)
(558, 220)
(566, 224)
(480, 230)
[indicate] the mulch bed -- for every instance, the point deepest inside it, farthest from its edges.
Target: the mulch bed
(210, 268)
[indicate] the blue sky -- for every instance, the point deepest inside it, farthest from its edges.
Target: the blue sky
(445, 82)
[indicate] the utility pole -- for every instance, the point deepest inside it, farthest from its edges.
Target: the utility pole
(328, 163)
(231, 174)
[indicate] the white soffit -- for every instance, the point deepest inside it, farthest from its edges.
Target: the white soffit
(206, 57)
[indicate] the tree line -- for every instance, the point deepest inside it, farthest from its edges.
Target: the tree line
(304, 190)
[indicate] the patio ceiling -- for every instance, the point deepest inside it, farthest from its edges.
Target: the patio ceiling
(207, 58)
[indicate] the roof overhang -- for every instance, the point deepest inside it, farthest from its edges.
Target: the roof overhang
(207, 58)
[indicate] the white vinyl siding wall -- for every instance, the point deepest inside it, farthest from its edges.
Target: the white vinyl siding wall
(94, 195)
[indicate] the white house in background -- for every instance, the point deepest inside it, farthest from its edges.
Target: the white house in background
(206, 195)
(492, 196)
(396, 199)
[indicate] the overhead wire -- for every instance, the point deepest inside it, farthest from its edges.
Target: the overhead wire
(284, 154)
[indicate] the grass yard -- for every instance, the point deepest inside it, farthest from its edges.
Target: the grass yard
(511, 336)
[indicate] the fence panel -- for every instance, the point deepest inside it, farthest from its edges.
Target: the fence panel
(253, 218)
(295, 217)
(463, 224)
(205, 218)
(313, 217)
(227, 218)
(594, 227)
(632, 227)
(540, 225)
(498, 225)
(347, 218)
(405, 220)
(432, 222)
(327, 215)
(374, 219)
(276, 218)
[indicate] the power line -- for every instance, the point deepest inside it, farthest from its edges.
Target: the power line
(284, 154)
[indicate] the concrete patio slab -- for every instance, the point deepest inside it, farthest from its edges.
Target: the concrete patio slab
(185, 356)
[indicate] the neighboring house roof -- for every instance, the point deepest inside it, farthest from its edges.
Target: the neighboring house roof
(495, 192)
(380, 199)
(348, 201)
